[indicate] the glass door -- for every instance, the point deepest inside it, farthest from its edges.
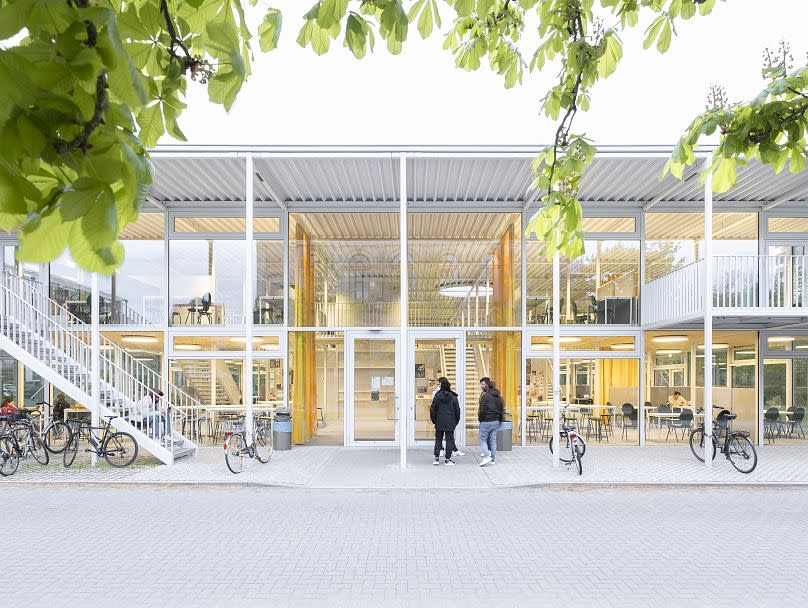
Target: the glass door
(371, 386)
(786, 274)
(434, 354)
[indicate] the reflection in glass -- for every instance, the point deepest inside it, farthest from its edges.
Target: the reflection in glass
(433, 358)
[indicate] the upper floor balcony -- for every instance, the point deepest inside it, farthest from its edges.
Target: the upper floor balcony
(757, 288)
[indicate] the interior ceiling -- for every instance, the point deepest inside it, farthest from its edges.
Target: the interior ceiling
(148, 226)
(690, 226)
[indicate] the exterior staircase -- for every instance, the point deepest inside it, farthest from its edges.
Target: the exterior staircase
(55, 344)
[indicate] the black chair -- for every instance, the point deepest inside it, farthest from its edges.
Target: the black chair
(629, 418)
(771, 423)
(795, 422)
(684, 422)
(192, 309)
(204, 310)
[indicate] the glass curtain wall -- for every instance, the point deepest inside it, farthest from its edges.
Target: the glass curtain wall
(317, 387)
(70, 287)
(465, 269)
(785, 390)
(674, 376)
(673, 240)
(136, 287)
(599, 288)
(344, 270)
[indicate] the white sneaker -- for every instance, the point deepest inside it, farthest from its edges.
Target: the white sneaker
(459, 453)
(482, 455)
(437, 462)
(485, 461)
(449, 463)
(492, 463)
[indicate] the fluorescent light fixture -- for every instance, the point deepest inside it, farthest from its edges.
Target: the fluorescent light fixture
(623, 346)
(781, 339)
(669, 351)
(187, 347)
(746, 352)
(136, 339)
(144, 358)
(669, 339)
(801, 347)
(715, 346)
(268, 347)
(464, 290)
(541, 347)
(244, 340)
(568, 339)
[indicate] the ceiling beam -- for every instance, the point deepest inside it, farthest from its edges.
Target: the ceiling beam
(278, 200)
(667, 191)
(159, 204)
(783, 198)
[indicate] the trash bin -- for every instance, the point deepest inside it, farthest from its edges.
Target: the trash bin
(505, 436)
(282, 430)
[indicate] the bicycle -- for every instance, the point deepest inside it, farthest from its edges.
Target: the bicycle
(55, 434)
(572, 442)
(236, 448)
(737, 446)
(119, 449)
(18, 442)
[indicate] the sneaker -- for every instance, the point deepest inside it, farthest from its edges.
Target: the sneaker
(485, 461)
(437, 461)
(449, 463)
(492, 463)
(482, 455)
(459, 453)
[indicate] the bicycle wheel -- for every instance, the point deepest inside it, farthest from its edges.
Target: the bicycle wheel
(56, 437)
(38, 450)
(9, 458)
(263, 445)
(234, 451)
(120, 450)
(576, 456)
(742, 453)
(71, 449)
(565, 445)
(697, 440)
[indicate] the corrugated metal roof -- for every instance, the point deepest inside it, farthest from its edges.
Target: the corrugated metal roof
(364, 177)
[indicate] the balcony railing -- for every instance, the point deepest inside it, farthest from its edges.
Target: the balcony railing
(752, 284)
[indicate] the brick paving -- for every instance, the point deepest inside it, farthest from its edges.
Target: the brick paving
(370, 468)
(252, 546)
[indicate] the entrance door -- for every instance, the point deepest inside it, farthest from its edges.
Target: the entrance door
(371, 388)
(434, 354)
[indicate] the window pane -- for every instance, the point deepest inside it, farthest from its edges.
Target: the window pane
(465, 269)
(230, 225)
(605, 343)
(266, 344)
(608, 224)
(788, 224)
(206, 282)
(268, 308)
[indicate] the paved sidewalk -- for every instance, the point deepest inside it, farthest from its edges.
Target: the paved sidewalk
(332, 467)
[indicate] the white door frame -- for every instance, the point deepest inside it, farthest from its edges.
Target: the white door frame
(460, 381)
(350, 343)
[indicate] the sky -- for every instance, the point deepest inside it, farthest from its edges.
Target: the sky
(420, 98)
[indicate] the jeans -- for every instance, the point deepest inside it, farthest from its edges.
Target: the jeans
(488, 438)
(154, 422)
(450, 443)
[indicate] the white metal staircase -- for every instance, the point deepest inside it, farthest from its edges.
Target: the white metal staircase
(55, 344)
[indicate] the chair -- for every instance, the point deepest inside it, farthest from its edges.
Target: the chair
(771, 423)
(684, 422)
(192, 310)
(795, 422)
(204, 310)
(629, 418)
(593, 310)
(548, 310)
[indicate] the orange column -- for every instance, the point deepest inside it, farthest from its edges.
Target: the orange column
(506, 360)
(304, 388)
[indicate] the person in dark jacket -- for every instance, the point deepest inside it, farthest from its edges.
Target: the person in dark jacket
(445, 414)
(491, 412)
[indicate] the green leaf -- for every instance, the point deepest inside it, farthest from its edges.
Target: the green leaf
(13, 17)
(797, 163)
(664, 42)
(357, 35)
(724, 175)
(77, 201)
(653, 31)
(151, 125)
(611, 55)
(100, 222)
(43, 239)
(93, 259)
(270, 30)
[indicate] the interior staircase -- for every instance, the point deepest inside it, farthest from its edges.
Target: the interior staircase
(52, 342)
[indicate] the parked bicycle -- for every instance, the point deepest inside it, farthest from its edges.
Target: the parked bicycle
(119, 449)
(19, 439)
(737, 446)
(55, 434)
(236, 448)
(572, 444)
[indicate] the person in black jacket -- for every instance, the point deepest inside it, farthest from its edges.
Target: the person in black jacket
(445, 414)
(490, 414)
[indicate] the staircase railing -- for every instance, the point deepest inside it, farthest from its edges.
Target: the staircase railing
(137, 385)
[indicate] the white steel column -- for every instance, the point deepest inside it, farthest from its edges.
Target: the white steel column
(708, 319)
(249, 298)
(557, 358)
(95, 362)
(402, 407)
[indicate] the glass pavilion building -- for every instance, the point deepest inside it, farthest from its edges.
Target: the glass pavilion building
(360, 275)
